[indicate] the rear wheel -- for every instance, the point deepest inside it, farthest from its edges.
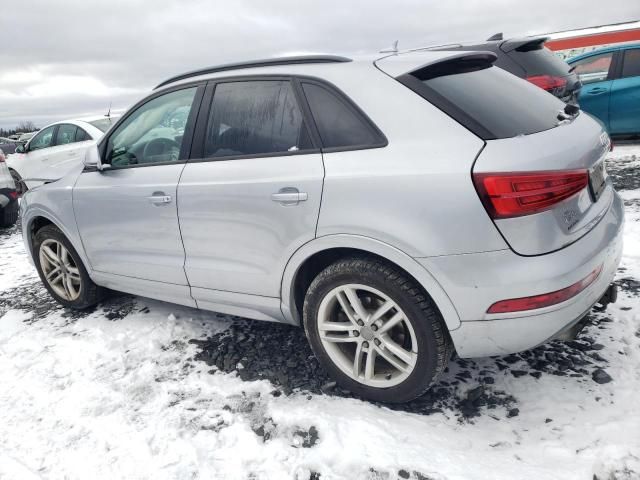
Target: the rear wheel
(375, 330)
(62, 271)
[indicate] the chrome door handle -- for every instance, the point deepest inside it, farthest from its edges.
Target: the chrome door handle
(289, 196)
(159, 198)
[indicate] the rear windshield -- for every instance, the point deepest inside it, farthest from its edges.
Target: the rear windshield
(541, 61)
(103, 124)
(491, 102)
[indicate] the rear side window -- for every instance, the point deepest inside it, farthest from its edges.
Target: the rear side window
(631, 65)
(255, 118)
(540, 61)
(340, 125)
(488, 101)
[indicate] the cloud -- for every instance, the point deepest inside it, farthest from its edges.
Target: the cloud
(66, 57)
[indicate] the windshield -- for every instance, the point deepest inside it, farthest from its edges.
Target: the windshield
(103, 124)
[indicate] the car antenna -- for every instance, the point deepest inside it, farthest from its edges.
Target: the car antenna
(392, 49)
(496, 36)
(108, 115)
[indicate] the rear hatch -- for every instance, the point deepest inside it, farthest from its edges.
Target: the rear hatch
(541, 173)
(543, 68)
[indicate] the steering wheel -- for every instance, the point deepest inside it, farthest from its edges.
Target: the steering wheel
(166, 148)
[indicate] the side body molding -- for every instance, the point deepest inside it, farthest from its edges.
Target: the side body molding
(370, 245)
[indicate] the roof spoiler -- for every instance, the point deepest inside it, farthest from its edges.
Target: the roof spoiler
(459, 63)
(523, 44)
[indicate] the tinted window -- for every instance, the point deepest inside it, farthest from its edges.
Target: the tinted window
(82, 136)
(257, 117)
(593, 69)
(500, 104)
(631, 65)
(103, 124)
(153, 133)
(66, 134)
(43, 139)
(541, 61)
(339, 124)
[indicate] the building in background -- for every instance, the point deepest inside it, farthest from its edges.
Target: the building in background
(576, 42)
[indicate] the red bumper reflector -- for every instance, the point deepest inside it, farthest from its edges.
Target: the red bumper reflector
(13, 195)
(546, 299)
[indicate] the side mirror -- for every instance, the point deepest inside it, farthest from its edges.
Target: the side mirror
(92, 162)
(20, 149)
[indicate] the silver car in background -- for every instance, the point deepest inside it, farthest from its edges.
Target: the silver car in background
(398, 208)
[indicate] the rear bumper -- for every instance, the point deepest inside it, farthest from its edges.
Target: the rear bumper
(475, 281)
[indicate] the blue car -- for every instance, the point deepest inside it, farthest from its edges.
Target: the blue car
(611, 87)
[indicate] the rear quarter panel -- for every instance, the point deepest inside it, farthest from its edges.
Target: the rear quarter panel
(416, 193)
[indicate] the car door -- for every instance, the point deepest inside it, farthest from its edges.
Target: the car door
(624, 108)
(32, 164)
(127, 213)
(250, 195)
(595, 74)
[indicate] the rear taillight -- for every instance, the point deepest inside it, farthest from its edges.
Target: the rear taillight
(548, 82)
(507, 195)
(546, 299)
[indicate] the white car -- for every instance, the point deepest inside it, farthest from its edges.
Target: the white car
(55, 150)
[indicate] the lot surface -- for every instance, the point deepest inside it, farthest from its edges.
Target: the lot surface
(143, 389)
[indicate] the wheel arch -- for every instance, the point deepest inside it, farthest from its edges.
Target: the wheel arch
(312, 257)
(38, 218)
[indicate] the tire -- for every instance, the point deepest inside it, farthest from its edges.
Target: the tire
(83, 293)
(9, 215)
(21, 187)
(420, 332)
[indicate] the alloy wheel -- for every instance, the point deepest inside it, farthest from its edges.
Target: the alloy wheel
(367, 335)
(59, 269)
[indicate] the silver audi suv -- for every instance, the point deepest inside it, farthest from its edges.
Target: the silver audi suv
(397, 208)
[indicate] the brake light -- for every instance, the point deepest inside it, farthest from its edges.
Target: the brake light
(507, 195)
(548, 82)
(546, 299)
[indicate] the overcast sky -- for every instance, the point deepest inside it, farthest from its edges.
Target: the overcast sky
(64, 58)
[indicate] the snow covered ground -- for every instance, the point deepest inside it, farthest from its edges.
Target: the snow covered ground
(141, 389)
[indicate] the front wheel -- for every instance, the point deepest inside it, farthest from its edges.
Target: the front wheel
(376, 332)
(62, 271)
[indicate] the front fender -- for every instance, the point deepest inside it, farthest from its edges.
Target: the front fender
(371, 245)
(53, 202)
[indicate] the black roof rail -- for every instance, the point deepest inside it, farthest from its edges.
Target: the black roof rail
(269, 62)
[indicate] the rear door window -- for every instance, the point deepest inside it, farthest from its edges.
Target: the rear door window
(489, 101)
(66, 134)
(81, 135)
(249, 118)
(631, 64)
(593, 69)
(339, 124)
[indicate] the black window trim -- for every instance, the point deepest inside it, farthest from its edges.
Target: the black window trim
(197, 151)
(185, 149)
